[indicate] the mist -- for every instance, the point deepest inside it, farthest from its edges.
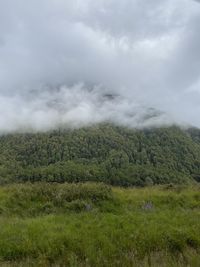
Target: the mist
(74, 63)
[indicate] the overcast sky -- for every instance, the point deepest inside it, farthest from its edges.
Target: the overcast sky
(59, 58)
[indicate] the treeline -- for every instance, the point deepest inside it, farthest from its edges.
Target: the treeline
(106, 153)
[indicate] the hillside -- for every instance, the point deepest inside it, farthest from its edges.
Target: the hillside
(106, 153)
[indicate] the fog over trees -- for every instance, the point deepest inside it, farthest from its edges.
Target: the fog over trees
(58, 60)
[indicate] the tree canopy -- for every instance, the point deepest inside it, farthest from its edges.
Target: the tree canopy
(105, 153)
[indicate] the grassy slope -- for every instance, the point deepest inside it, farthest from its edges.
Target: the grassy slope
(92, 225)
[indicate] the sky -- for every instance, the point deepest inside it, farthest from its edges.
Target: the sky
(73, 63)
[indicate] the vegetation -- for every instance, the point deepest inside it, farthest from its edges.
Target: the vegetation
(102, 153)
(59, 204)
(96, 225)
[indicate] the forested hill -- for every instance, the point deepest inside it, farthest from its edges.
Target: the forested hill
(115, 155)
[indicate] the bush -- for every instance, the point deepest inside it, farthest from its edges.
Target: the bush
(48, 197)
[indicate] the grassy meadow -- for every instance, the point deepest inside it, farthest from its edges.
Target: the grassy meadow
(97, 225)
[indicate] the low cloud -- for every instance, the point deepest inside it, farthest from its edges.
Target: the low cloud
(72, 64)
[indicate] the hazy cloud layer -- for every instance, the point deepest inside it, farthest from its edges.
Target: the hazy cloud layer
(60, 62)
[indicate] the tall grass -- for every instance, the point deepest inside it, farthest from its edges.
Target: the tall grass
(43, 198)
(156, 226)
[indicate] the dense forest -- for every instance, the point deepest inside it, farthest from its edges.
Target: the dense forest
(103, 153)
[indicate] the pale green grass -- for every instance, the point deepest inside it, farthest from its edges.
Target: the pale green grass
(129, 227)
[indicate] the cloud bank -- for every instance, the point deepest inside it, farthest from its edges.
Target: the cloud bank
(74, 63)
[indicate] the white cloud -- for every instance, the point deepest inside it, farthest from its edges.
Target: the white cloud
(146, 52)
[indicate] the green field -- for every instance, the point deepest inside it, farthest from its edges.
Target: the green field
(96, 225)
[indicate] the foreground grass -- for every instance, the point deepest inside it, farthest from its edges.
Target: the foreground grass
(92, 225)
